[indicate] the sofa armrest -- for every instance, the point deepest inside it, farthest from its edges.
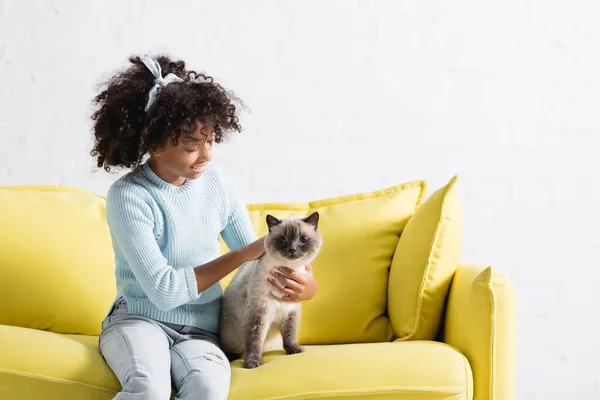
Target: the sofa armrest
(481, 324)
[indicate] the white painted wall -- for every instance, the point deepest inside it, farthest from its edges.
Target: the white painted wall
(363, 95)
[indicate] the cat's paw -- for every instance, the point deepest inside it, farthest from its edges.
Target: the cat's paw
(293, 348)
(252, 362)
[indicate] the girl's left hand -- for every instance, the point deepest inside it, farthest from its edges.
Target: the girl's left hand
(295, 287)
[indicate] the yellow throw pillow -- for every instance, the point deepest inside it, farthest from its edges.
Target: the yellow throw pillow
(423, 266)
(360, 233)
(56, 259)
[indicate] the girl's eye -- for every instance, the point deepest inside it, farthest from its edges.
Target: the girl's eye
(190, 147)
(303, 239)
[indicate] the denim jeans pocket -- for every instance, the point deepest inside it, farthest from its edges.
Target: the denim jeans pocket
(113, 310)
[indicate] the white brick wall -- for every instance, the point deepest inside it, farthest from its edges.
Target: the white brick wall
(363, 95)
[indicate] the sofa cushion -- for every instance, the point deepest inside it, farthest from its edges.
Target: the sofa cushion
(37, 364)
(360, 233)
(395, 370)
(56, 259)
(424, 264)
(45, 365)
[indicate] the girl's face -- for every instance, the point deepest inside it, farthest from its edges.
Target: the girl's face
(187, 160)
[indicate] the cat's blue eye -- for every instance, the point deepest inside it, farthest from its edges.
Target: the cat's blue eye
(303, 239)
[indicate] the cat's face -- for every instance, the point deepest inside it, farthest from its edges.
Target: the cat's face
(294, 239)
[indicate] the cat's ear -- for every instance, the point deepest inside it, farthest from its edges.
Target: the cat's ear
(313, 219)
(272, 221)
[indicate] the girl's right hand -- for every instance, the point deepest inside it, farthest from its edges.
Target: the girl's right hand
(212, 272)
(254, 250)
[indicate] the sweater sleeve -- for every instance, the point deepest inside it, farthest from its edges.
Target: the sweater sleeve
(238, 231)
(131, 224)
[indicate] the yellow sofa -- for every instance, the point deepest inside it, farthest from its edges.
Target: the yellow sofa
(396, 316)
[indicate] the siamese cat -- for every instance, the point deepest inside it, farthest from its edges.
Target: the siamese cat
(254, 319)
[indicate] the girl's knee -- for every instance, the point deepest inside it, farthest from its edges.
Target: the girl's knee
(146, 387)
(204, 386)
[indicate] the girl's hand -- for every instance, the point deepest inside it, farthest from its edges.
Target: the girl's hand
(253, 250)
(295, 287)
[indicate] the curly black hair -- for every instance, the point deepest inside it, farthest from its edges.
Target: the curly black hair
(124, 132)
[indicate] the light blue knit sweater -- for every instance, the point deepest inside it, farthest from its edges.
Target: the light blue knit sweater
(160, 232)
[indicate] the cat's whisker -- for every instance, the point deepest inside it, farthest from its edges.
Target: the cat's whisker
(319, 265)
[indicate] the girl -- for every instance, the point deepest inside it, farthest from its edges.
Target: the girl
(164, 217)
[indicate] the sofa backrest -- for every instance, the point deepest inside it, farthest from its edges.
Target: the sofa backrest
(360, 234)
(57, 263)
(56, 259)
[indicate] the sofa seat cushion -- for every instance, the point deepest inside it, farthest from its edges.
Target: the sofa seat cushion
(394, 370)
(37, 364)
(45, 365)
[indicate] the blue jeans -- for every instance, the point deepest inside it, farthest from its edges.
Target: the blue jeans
(150, 358)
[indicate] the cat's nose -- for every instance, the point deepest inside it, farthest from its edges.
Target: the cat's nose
(292, 250)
